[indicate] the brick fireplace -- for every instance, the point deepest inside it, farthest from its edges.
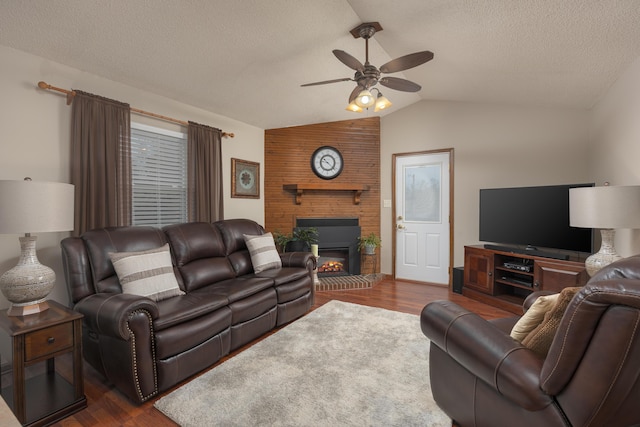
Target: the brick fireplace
(287, 154)
(337, 245)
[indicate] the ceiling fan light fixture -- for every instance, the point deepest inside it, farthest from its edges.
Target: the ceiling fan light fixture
(365, 99)
(382, 102)
(354, 107)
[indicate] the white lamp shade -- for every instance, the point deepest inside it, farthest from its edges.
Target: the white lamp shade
(33, 207)
(354, 107)
(365, 99)
(381, 103)
(605, 207)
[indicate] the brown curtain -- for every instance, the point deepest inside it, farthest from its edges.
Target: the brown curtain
(204, 154)
(100, 162)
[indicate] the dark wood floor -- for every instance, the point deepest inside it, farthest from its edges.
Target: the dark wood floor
(107, 407)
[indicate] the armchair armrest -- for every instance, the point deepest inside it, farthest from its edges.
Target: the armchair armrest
(488, 353)
(108, 314)
(298, 259)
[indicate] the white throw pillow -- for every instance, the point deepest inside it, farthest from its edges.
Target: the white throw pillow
(147, 273)
(534, 316)
(262, 249)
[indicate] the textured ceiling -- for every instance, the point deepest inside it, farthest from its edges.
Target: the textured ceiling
(246, 59)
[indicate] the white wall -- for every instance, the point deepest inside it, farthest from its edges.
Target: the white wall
(494, 146)
(34, 136)
(615, 151)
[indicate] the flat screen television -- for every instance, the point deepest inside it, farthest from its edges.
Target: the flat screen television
(532, 218)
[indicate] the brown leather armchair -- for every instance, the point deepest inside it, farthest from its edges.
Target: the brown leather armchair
(480, 376)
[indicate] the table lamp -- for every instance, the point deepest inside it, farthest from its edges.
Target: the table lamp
(606, 208)
(28, 207)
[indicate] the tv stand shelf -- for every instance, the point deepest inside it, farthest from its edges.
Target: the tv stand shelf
(504, 279)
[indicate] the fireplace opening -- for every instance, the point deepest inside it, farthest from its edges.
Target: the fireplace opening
(334, 262)
(337, 244)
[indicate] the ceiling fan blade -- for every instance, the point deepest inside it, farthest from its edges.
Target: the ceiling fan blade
(355, 93)
(400, 84)
(348, 60)
(406, 62)
(346, 79)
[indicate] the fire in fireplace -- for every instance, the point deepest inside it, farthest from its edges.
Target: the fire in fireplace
(333, 262)
(337, 244)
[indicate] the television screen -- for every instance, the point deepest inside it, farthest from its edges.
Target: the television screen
(537, 217)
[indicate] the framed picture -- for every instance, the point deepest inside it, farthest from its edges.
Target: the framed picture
(245, 179)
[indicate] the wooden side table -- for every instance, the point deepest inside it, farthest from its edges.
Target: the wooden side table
(369, 263)
(40, 338)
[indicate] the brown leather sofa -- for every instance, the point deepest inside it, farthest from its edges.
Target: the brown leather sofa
(480, 376)
(144, 347)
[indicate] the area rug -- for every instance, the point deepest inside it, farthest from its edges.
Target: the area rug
(341, 283)
(341, 365)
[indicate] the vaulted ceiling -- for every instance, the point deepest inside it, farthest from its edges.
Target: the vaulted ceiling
(246, 59)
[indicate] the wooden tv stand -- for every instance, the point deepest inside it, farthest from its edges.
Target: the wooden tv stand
(504, 279)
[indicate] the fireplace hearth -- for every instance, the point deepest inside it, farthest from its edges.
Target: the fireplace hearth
(337, 245)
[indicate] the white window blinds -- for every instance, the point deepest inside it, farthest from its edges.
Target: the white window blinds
(158, 175)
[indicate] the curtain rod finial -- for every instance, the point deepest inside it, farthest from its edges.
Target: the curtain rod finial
(43, 85)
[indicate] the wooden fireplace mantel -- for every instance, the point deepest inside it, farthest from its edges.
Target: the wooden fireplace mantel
(300, 189)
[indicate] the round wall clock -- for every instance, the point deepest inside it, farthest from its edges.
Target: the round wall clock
(326, 162)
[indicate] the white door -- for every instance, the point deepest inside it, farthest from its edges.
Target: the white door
(422, 194)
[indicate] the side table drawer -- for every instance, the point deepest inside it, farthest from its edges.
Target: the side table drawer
(48, 341)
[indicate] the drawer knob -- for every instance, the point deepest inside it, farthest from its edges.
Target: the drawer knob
(51, 340)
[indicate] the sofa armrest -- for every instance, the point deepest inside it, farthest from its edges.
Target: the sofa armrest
(118, 340)
(298, 259)
(503, 363)
(109, 314)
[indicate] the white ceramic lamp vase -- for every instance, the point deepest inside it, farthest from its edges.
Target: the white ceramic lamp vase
(29, 207)
(606, 208)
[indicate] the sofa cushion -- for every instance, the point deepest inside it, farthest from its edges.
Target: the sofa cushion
(294, 289)
(253, 306)
(103, 241)
(239, 288)
(189, 334)
(284, 274)
(262, 250)
(233, 231)
(174, 311)
(147, 273)
(533, 317)
(199, 253)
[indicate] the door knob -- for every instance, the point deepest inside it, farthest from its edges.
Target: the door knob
(400, 226)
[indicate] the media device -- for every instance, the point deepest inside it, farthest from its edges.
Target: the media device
(533, 219)
(520, 265)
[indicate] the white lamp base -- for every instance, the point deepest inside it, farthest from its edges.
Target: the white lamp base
(605, 256)
(27, 284)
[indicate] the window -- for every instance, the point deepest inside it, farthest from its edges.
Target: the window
(158, 176)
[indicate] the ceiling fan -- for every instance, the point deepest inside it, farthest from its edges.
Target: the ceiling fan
(367, 75)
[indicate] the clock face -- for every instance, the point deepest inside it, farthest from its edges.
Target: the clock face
(327, 162)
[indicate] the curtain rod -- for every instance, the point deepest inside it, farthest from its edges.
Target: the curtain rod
(70, 94)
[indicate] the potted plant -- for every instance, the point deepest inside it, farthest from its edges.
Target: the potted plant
(301, 239)
(369, 243)
(281, 240)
